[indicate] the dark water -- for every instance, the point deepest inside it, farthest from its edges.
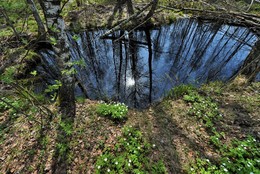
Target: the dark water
(140, 67)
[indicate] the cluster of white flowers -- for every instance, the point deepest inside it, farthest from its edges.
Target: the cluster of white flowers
(223, 165)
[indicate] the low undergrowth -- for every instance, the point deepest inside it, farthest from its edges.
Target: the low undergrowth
(115, 111)
(194, 129)
(129, 155)
(239, 156)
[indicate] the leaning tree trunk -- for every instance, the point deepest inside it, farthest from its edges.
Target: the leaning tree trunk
(41, 28)
(56, 29)
(251, 66)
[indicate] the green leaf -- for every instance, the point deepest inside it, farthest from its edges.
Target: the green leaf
(53, 41)
(34, 73)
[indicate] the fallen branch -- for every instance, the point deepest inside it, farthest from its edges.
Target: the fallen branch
(134, 16)
(244, 19)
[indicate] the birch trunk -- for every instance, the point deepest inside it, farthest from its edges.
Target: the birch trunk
(56, 29)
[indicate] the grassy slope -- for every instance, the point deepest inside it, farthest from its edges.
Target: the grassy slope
(179, 138)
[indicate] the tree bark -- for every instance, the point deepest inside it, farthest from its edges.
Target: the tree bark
(130, 8)
(251, 66)
(56, 29)
(41, 28)
(151, 12)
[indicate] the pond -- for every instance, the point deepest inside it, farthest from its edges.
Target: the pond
(139, 67)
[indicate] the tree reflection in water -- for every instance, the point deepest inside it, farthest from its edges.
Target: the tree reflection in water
(140, 67)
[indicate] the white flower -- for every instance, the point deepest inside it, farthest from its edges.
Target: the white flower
(130, 161)
(138, 147)
(226, 170)
(153, 145)
(105, 159)
(129, 164)
(98, 167)
(116, 162)
(251, 173)
(108, 170)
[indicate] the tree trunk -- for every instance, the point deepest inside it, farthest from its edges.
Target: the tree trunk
(79, 3)
(151, 12)
(251, 66)
(41, 28)
(56, 29)
(130, 8)
(66, 96)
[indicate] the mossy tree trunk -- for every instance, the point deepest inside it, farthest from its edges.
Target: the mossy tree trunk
(66, 97)
(56, 29)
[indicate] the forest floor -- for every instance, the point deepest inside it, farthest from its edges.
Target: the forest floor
(179, 137)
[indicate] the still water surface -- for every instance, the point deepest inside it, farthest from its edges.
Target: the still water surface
(139, 67)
